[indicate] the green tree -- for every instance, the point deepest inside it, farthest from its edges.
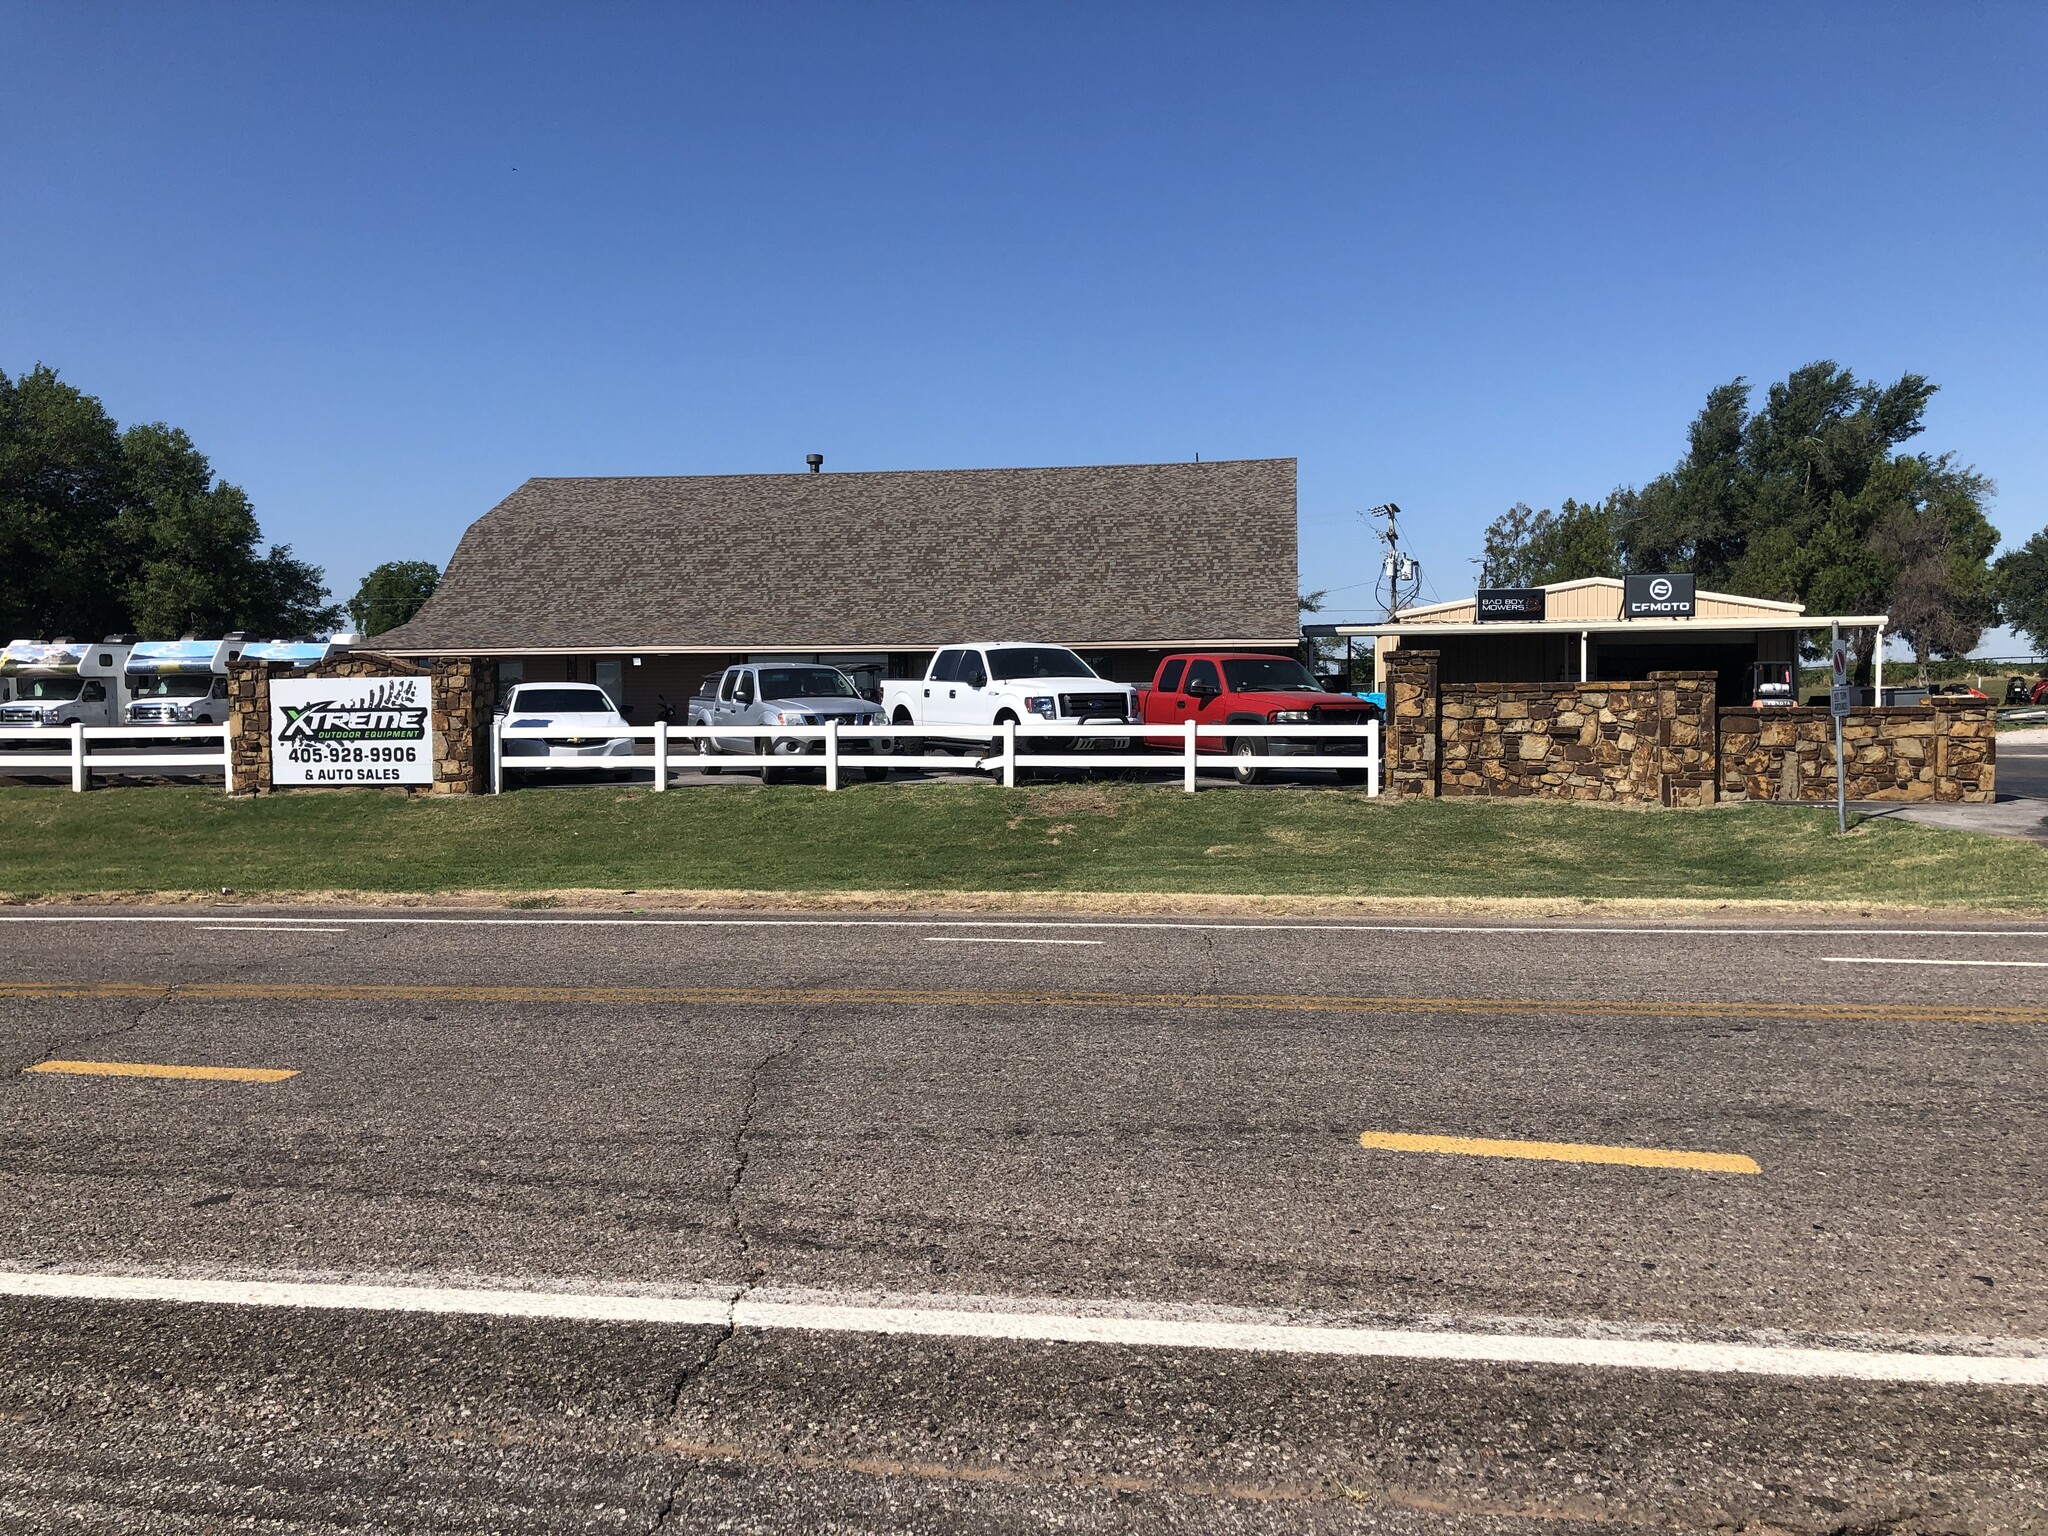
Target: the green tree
(1530, 549)
(191, 542)
(391, 594)
(1810, 500)
(61, 488)
(2023, 589)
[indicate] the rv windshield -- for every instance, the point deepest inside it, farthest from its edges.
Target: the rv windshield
(173, 687)
(52, 690)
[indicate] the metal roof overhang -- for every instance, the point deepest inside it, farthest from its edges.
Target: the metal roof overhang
(1404, 632)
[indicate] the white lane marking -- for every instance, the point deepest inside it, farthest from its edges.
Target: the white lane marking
(1726, 930)
(1894, 960)
(987, 939)
(254, 928)
(1014, 1319)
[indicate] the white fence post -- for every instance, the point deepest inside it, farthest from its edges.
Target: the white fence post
(78, 756)
(1009, 754)
(660, 756)
(1188, 761)
(831, 754)
(227, 758)
(497, 754)
(1372, 751)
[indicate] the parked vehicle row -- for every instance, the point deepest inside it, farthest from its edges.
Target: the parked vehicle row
(118, 682)
(967, 693)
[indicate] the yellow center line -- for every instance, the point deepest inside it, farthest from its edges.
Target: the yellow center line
(1569, 1007)
(1560, 1152)
(155, 1069)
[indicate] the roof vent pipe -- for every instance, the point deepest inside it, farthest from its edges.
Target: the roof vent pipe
(815, 460)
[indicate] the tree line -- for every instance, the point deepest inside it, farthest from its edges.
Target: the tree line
(1808, 498)
(105, 530)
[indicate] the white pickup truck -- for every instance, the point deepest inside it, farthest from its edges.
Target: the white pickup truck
(978, 687)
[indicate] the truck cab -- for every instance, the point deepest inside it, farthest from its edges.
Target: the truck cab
(980, 687)
(1252, 687)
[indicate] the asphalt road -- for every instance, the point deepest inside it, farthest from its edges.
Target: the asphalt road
(989, 1226)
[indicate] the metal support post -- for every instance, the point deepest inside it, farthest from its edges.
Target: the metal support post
(1009, 754)
(1841, 778)
(831, 754)
(660, 756)
(1187, 762)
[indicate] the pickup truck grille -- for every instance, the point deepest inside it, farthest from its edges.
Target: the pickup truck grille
(1112, 706)
(143, 713)
(21, 715)
(1324, 715)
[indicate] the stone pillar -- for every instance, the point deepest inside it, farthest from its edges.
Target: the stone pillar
(1965, 755)
(1411, 745)
(1688, 760)
(249, 724)
(459, 764)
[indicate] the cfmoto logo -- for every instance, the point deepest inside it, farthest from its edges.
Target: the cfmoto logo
(1660, 590)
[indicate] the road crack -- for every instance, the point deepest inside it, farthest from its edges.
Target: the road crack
(739, 1157)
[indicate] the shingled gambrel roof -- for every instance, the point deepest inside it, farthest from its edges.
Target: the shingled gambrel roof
(1123, 554)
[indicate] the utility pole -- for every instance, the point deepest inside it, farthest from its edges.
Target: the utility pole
(1400, 574)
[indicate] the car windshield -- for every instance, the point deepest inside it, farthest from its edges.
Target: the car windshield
(59, 690)
(564, 701)
(173, 687)
(1037, 661)
(1269, 674)
(805, 683)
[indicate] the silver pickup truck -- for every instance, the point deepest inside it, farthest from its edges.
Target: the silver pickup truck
(769, 694)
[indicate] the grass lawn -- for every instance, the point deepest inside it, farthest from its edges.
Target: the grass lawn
(1063, 838)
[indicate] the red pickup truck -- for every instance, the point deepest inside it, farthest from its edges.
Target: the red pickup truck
(1221, 687)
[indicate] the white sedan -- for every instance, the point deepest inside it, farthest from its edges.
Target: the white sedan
(580, 720)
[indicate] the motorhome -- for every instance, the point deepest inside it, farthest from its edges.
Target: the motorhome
(59, 684)
(180, 682)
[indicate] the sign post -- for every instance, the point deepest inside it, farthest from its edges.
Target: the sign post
(1841, 698)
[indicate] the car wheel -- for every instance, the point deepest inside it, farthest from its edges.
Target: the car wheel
(769, 773)
(1245, 754)
(1351, 775)
(705, 747)
(875, 775)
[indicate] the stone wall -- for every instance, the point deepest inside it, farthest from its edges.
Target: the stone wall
(1649, 742)
(1936, 753)
(461, 750)
(1663, 742)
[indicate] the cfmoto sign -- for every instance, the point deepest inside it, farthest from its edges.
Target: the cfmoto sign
(1657, 597)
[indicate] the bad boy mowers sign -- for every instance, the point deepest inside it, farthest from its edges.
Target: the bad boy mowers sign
(350, 730)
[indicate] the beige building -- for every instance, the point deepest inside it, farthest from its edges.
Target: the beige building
(1585, 635)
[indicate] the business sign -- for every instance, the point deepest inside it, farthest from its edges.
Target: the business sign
(351, 730)
(1656, 597)
(1509, 603)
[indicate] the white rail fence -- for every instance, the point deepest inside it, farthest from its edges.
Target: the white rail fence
(69, 750)
(1003, 749)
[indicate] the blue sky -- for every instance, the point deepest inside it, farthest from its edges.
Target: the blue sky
(386, 261)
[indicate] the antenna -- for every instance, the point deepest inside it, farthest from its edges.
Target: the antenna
(1400, 575)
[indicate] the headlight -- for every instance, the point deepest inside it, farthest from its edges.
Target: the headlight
(1290, 717)
(1049, 708)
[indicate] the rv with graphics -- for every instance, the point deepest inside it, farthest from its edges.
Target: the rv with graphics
(180, 682)
(55, 686)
